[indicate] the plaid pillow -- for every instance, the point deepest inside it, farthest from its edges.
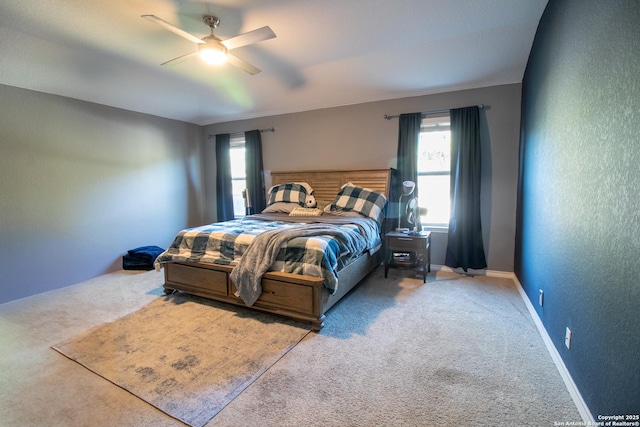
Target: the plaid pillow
(361, 200)
(290, 193)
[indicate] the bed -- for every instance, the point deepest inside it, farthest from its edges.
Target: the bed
(305, 297)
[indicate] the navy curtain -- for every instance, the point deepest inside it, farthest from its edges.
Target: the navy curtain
(224, 195)
(465, 247)
(408, 138)
(254, 170)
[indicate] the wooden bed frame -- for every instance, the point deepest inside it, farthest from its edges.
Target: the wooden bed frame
(298, 296)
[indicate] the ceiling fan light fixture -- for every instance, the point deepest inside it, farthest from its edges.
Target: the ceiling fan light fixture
(213, 52)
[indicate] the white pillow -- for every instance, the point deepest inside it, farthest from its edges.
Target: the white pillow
(280, 207)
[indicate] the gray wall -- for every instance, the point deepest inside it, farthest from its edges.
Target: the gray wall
(578, 235)
(357, 136)
(81, 183)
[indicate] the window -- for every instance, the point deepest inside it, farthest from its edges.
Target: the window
(238, 174)
(434, 170)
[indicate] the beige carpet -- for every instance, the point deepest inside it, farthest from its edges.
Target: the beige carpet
(455, 351)
(185, 355)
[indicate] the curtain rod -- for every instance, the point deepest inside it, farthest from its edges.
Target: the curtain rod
(427, 113)
(235, 134)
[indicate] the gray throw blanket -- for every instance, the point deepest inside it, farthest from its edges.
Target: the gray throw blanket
(263, 251)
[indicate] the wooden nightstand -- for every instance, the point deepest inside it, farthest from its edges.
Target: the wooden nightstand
(416, 247)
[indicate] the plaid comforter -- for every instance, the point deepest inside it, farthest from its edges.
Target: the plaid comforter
(225, 243)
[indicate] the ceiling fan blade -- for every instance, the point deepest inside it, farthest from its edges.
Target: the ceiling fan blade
(172, 28)
(179, 58)
(255, 36)
(237, 62)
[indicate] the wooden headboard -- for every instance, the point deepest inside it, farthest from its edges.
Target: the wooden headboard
(326, 183)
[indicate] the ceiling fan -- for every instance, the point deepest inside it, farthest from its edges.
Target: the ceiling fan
(212, 49)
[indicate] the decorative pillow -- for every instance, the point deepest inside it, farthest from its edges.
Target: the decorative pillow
(311, 202)
(300, 211)
(306, 185)
(280, 207)
(352, 198)
(289, 193)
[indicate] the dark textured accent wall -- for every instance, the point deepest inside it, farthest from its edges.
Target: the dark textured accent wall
(578, 220)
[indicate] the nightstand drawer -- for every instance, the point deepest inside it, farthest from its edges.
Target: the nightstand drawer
(405, 243)
(408, 251)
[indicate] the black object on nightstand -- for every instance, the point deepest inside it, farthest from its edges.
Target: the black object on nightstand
(408, 250)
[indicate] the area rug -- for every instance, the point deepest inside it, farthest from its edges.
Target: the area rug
(187, 356)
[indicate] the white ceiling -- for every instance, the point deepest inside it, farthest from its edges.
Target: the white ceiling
(327, 52)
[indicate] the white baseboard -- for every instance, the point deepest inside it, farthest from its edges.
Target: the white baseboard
(582, 407)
